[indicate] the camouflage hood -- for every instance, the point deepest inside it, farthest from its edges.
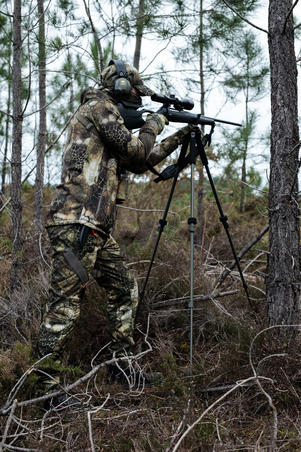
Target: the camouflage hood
(92, 93)
(110, 74)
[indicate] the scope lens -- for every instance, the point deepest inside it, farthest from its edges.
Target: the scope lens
(187, 103)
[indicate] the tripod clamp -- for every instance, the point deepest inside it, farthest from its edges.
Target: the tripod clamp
(184, 160)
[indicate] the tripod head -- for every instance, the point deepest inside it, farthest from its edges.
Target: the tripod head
(195, 149)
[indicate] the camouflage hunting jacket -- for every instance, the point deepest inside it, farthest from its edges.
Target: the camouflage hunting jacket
(93, 157)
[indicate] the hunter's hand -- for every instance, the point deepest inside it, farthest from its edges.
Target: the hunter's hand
(163, 111)
(160, 120)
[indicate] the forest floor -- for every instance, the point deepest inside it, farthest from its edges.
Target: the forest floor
(245, 388)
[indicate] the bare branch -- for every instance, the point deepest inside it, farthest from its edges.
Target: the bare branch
(242, 252)
(6, 14)
(223, 388)
(47, 150)
(288, 15)
(51, 145)
(41, 251)
(100, 63)
(13, 407)
(265, 393)
(4, 113)
(7, 407)
(180, 426)
(158, 53)
(238, 385)
(21, 380)
(144, 210)
(244, 19)
(61, 91)
(173, 301)
(7, 201)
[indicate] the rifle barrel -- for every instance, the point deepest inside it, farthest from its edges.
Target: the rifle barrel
(227, 122)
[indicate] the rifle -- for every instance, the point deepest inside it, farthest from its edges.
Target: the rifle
(173, 108)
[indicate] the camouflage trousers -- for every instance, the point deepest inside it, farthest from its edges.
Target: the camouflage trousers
(101, 258)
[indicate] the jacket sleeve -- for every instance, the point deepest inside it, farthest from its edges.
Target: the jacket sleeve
(167, 146)
(132, 151)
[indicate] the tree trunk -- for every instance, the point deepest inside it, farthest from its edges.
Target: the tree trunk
(4, 164)
(39, 181)
(139, 34)
(16, 170)
(283, 276)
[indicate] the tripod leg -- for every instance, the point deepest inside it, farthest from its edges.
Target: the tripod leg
(192, 222)
(162, 224)
(223, 217)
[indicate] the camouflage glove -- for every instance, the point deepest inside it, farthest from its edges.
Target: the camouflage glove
(161, 121)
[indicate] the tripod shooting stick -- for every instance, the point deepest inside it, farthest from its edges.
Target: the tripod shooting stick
(223, 218)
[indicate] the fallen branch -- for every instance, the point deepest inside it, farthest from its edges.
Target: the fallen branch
(13, 393)
(119, 206)
(89, 416)
(180, 426)
(242, 252)
(191, 427)
(227, 387)
(12, 410)
(265, 393)
(7, 407)
(173, 301)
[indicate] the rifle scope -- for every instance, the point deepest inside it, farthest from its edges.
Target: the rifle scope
(179, 104)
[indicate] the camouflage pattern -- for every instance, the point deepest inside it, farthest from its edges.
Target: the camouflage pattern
(101, 257)
(109, 75)
(92, 161)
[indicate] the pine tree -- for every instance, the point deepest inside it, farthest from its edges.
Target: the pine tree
(41, 146)
(246, 74)
(234, 152)
(16, 159)
(6, 76)
(283, 272)
(209, 39)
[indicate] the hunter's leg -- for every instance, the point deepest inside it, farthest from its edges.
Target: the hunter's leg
(112, 273)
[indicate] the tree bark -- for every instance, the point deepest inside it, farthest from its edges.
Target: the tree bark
(283, 279)
(7, 121)
(16, 169)
(139, 34)
(39, 181)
